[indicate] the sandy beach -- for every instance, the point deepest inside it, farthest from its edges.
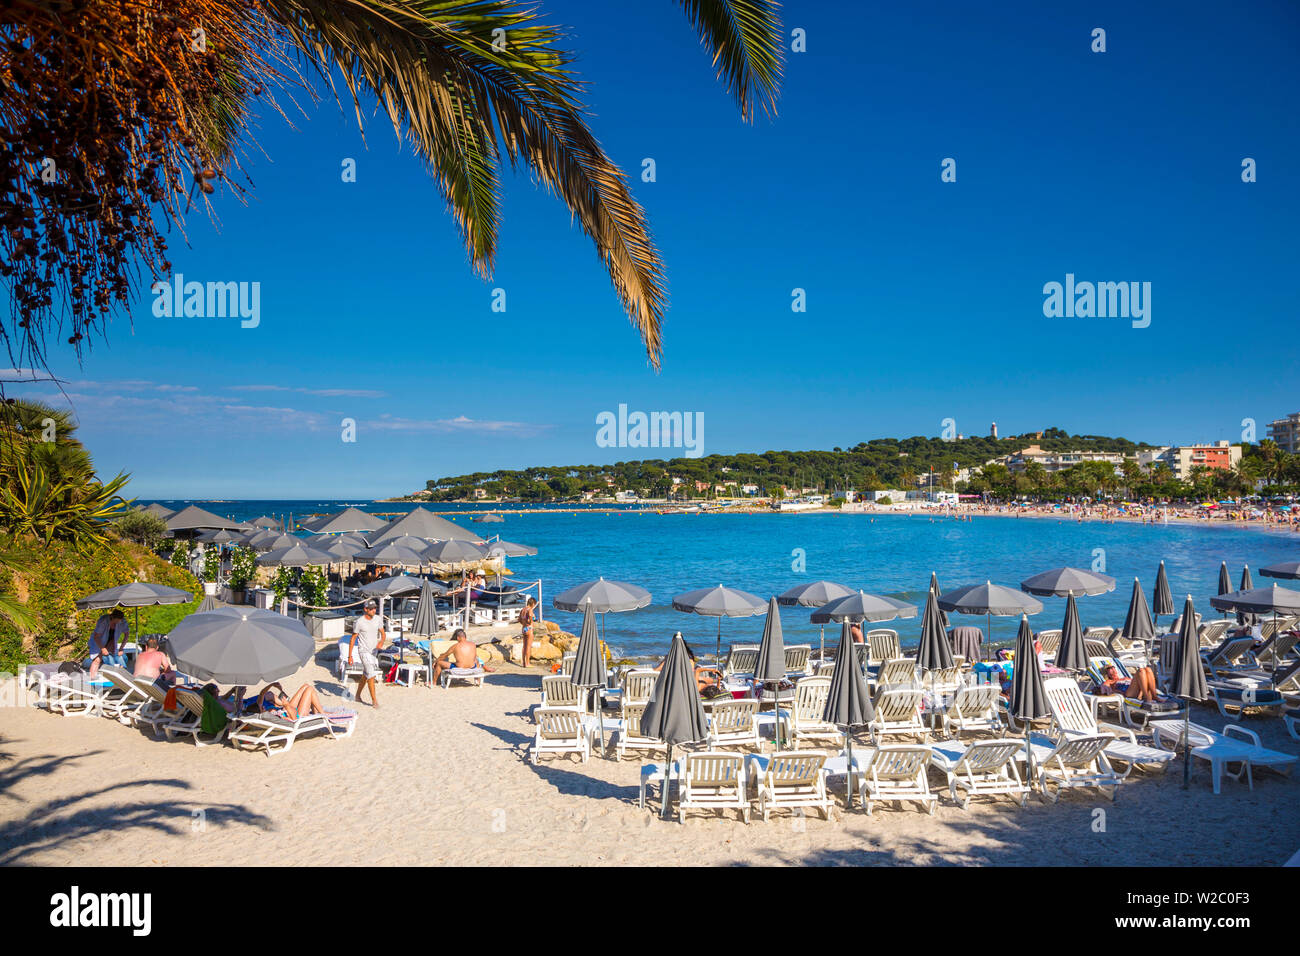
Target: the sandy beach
(439, 777)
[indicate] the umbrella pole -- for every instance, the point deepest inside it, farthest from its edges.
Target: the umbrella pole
(668, 773)
(717, 652)
(1187, 753)
(848, 785)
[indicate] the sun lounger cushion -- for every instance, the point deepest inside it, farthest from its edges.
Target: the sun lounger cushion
(1259, 697)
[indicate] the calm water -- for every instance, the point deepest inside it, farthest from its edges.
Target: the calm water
(891, 554)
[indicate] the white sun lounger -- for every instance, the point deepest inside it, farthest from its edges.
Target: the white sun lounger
(1072, 762)
(982, 768)
(974, 710)
(1072, 717)
(1236, 745)
(189, 721)
(712, 781)
(897, 772)
(628, 736)
(276, 734)
(806, 721)
(561, 732)
(898, 712)
(792, 779)
(732, 723)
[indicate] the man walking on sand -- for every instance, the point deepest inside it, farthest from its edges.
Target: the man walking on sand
(367, 638)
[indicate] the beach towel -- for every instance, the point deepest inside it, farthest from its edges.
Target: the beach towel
(169, 702)
(214, 717)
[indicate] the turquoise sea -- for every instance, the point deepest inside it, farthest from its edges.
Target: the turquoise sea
(886, 554)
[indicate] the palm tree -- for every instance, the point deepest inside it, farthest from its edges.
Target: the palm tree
(140, 120)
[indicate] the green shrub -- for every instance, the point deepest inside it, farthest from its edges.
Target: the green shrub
(141, 527)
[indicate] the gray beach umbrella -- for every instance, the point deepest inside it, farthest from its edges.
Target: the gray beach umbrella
(719, 602)
(1225, 582)
(453, 552)
(209, 603)
(239, 645)
(158, 510)
(674, 713)
(265, 521)
(935, 651)
(297, 555)
(1188, 677)
(349, 519)
(509, 549)
(988, 599)
(770, 666)
(422, 523)
(1138, 625)
(195, 518)
(1062, 582)
(603, 596)
(861, 606)
(1271, 599)
(342, 548)
(220, 536)
(848, 702)
(1286, 569)
(272, 541)
(394, 586)
(1162, 601)
(1028, 696)
(409, 554)
(1070, 653)
(136, 595)
(814, 594)
(589, 665)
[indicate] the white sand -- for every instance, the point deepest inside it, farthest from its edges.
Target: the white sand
(441, 777)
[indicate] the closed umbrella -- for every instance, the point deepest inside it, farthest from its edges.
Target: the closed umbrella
(209, 603)
(770, 666)
(674, 713)
(1028, 696)
(1247, 584)
(589, 666)
(136, 595)
(934, 586)
(1138, 625)
(1225, 582)
(1188, 677)
(1070, 653)
(719, 602)
(848, 702)
(988, 599)
(934, 651)
(814, 594)
(425, 622)
(239, 645)
(1162, 601)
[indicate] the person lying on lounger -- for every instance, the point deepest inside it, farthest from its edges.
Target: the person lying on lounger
(1141, 687)
(706, 676)
(301, 703)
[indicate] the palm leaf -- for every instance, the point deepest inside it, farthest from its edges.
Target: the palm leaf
(745, 39)
(462, 101)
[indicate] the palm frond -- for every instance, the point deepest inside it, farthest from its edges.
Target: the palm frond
(462, 99)
(745, 38)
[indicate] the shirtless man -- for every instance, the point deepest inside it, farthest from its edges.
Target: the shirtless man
(462, 654)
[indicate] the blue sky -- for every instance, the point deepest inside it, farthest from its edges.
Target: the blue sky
(924, 298)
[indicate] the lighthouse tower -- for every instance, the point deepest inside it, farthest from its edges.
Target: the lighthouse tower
(993, 430)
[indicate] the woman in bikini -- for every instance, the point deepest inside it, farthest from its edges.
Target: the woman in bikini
(303, 701)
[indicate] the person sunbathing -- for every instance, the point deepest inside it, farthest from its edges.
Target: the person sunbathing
(706, 676)
(1142, 686)
(463, 654)
(301, 703)
(152, 664)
